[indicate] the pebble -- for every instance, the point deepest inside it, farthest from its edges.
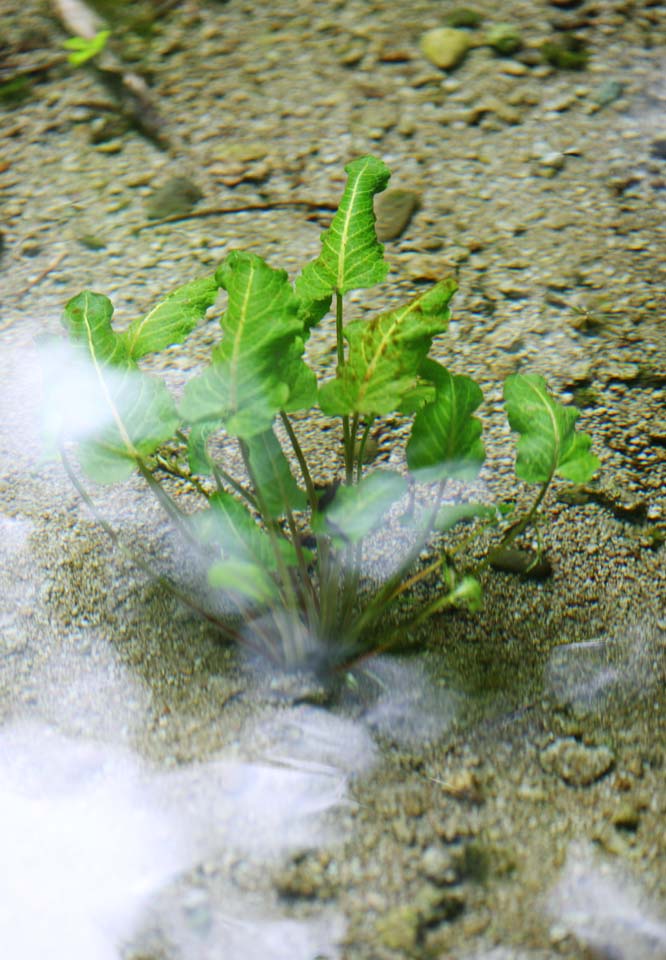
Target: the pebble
(394, 210)
(174, 198)
(576, 763)
(446, 47)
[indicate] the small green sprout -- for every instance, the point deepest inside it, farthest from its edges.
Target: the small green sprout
(85, 48)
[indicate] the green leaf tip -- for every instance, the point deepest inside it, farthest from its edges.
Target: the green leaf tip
(351, 256)
(131, 413)
(257, 369)
(549, 443)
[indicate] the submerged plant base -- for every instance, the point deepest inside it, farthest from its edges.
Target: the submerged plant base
(289, 559)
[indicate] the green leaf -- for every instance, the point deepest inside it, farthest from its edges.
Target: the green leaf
(302, 380)
(245, 579)
(228, 525)
(548, 444)
(258, 363)
(172, 319)
(358, 510)
(312, 311)
(198, 457)
(132, 414)
(445, 439)
(272, 474)
(143, 418)
(87, 318)
(85, 48)
(386, 355)
(351, 257)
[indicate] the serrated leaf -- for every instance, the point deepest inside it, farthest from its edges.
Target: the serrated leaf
(87, 318)
(172, 319)
(130, 414)
(351, 256)
(548, 444)
(445, 438)
(358, 510)
(272, 474)
(144, 417)
(245, 579)
(386, 354)
(258, 361)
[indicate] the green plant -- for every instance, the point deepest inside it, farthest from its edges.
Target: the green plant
(85, 48)
(289, 556)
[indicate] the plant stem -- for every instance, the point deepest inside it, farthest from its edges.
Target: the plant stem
(174, 471)
(347, 438)
(361, 448)
(222, 477)
(302, 462)
(391, 588)
(175, 514)
(518, 527)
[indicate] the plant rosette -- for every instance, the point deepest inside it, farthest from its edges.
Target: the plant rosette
(290, 561)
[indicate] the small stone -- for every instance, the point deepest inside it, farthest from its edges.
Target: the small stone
(498, 107)
(524, 562)
(394, 209)
(575, 763)
(174, 198)
(608, 92)
(446, 47)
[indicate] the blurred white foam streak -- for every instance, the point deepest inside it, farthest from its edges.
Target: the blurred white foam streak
(72, 401)
(409, 708)
(586, 675)
(84, 840)
(90, 834)
(247, 933)
(84, 691)
(606, 910)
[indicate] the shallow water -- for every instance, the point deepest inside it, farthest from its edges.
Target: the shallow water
(162, 796)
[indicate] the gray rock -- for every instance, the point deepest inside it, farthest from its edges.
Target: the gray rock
(174, 198)
(394, 209)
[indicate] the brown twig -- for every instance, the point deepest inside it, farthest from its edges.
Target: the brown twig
(40, 276)
(242, 208)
